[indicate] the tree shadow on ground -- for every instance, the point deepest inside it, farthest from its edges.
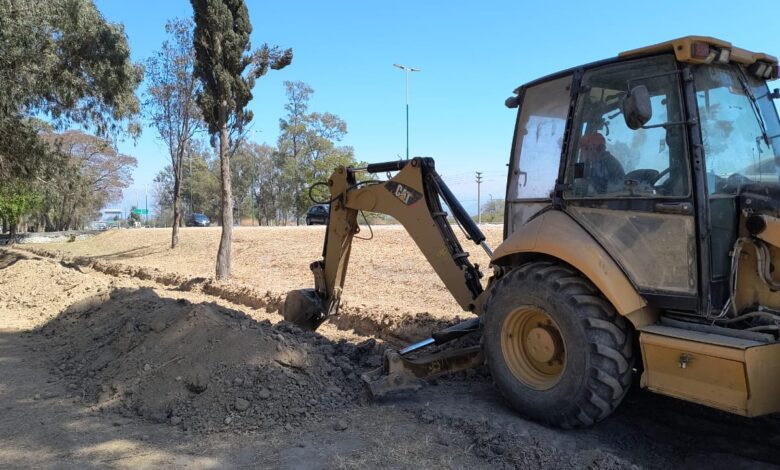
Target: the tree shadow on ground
(10, 258)
(69, 376)
(130, 253)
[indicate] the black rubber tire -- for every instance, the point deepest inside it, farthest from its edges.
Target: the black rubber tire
(598, 344)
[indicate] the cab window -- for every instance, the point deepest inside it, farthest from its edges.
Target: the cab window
(540, 130)
(737, 149)
(610, 160)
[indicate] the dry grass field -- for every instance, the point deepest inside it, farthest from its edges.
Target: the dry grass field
(387, 272)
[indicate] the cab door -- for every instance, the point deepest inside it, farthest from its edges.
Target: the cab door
(735, 155)
(536, 155)
(631, 189)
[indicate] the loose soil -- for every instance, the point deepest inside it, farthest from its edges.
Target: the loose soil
(108, 359)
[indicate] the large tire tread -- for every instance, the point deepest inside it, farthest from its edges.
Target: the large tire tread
(608, 334)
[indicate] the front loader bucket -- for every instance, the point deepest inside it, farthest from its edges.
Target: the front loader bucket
(305, 308)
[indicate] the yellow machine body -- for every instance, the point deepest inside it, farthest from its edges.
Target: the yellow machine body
(732, 374)
(697, 342)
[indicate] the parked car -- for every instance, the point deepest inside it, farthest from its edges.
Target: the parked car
(197, 220)
(318, 214)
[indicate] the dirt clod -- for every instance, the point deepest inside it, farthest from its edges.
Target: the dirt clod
(340, 425)
(241, 404)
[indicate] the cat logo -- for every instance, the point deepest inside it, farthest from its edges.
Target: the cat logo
(404, 193)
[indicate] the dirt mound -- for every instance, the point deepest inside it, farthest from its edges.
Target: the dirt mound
(201, 367)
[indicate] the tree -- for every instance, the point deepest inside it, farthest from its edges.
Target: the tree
(227, 75)
(80, 175)
(133, 217)
(16, 201)
(63, 60)
(171, 103)
(200, 186)
(307, 148)
(246, 170)
(493, 210)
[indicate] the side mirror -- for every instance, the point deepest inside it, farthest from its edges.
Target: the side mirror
(636, 107)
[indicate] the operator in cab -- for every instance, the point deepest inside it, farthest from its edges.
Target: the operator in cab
(602, 170)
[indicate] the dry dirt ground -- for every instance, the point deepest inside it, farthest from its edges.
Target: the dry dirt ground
(118, 352)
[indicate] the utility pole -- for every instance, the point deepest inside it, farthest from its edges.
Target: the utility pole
(407, 70)
(146, 202)
(479, 208)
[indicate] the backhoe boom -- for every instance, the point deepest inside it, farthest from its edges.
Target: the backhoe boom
(412, 197)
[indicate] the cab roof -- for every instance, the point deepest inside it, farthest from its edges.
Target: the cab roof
(687, 48)
(691, 49)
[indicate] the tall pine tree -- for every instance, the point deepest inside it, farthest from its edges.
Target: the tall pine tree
(228, 72)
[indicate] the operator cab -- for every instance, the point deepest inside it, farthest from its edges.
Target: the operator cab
(655, 154)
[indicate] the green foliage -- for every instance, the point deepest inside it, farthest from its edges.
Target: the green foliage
(493, 211)
(17, 201)
(133, 217)
(306, 149)
(21, 150)
(61, 59)
(270, 184)
(203, 179)
(221, 40)
(80, 174)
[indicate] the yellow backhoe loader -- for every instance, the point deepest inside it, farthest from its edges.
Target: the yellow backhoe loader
(641, 236)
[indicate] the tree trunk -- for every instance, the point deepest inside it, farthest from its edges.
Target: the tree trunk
(12, 235)
(176, 212)
(224, 255)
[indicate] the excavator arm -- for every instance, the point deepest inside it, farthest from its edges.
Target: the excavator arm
(413, 197)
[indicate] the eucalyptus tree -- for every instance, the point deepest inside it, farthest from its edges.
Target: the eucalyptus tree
(62, 60)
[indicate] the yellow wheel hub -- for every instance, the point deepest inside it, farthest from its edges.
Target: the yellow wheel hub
(533, 348)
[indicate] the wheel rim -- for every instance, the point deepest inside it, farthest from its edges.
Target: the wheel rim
(533, 348)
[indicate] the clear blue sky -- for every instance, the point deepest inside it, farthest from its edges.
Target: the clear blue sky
(472, 55)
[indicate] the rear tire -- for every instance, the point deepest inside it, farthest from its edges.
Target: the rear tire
(558, 352)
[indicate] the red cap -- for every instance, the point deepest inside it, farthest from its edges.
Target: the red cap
(592, 139)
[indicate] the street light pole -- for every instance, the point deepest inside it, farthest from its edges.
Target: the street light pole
(190, 182)
(407, 70)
